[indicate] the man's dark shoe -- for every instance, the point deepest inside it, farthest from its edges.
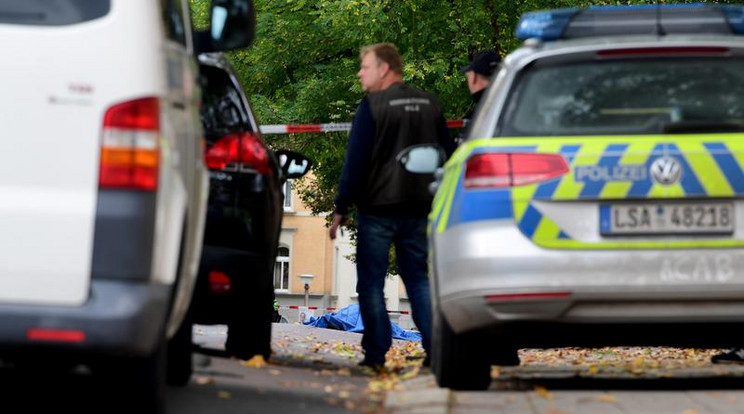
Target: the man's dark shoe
(731, 356)
(377, 367)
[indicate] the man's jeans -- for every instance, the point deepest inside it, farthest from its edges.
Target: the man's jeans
(374, 237)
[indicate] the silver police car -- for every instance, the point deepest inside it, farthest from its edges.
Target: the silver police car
(597, 198)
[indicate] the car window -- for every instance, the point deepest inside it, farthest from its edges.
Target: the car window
(625, 97)
(175, 26)
(52, 13)
(222, 109)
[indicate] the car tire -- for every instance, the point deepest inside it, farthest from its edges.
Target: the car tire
(249, 325)
(504, 354)
(179, 347)
(139, 382)
(459, 362)
(179, 365)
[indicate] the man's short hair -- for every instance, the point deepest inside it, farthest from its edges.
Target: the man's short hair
(385, 52)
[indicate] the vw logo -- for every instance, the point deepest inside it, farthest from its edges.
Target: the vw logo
(666, 170)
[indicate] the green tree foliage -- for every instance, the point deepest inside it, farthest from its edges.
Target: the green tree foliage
(302, 67)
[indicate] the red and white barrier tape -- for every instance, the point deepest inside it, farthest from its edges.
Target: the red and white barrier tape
(337, 127)
(329, 309)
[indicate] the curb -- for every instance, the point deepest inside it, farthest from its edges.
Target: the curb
(418, 396)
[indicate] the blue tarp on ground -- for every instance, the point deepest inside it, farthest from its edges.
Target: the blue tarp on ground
(349, 319)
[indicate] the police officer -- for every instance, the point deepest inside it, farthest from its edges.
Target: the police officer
(392, 204)
(478, 74)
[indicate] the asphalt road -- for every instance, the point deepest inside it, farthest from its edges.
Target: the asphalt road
(314, 371)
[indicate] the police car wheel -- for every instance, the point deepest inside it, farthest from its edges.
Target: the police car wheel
(459, 362)
(179, 364)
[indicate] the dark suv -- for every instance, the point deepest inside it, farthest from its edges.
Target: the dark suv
(244, 216)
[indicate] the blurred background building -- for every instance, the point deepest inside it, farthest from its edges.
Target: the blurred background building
(311, 270)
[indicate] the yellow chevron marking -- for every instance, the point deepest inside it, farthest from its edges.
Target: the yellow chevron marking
(589, 154)
(453, 171)
(637, 153)
(591, 150)
(615, 190)
(448, 196)
(705, 167)
(546, 230)
(562, 244)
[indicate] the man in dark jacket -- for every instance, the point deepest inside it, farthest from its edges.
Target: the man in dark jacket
(478, 74)
(392, 204)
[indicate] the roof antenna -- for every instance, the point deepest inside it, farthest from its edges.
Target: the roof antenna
(659, 28)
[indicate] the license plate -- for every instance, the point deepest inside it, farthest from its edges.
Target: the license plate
(666, 218)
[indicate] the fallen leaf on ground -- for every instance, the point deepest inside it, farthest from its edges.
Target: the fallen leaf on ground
(609, 398)
(410, 374)
(225, 395)
(542, 392)
(257, 362)
(201, 380)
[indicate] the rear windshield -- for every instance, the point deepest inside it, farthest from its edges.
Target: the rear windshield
(628, 97)
(52, 12)
(222, 110)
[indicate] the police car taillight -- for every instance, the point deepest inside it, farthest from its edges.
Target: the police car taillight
(501, 170)
(130, 155)
(242, 151)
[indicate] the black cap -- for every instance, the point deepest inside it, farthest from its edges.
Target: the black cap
(483, 63)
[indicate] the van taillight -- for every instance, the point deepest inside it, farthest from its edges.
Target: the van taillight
(499, 170)
(130, 155)
(243, 150)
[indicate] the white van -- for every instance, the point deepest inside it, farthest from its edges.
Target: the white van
(102, 182)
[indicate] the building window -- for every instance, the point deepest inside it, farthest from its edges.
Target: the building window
(287, 190)
(281, 269)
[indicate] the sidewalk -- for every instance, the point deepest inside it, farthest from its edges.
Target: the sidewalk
(622, 396)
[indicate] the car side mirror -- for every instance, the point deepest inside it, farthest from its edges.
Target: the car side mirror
(232, 25)
(293, 164)
(421, 159)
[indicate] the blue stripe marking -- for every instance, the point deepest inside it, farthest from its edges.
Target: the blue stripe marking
(563, 236)
(529, 221)
(604, 218)
(569, 152)
(728, 165)
(482, 205)
(640, 189)
(690, 183)
(611, 158)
